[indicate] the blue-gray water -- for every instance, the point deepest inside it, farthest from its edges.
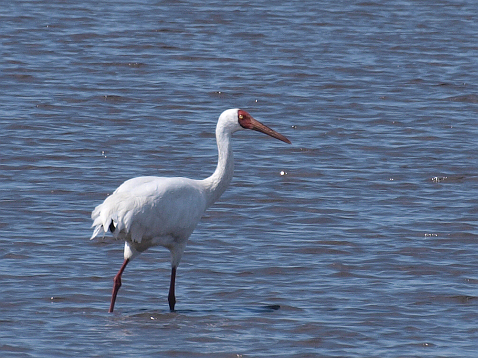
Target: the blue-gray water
(365, 253)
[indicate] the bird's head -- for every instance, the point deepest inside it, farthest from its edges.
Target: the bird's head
(236, 119)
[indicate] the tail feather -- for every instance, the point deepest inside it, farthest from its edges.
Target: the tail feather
(122, 216)
(98, 222)
(98, 229)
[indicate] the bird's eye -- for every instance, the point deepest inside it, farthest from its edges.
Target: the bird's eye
(241, 116)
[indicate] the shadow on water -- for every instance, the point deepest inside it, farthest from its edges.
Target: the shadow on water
(223, 311)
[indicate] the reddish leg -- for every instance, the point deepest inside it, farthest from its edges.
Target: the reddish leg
(171, 296)
(117, 284)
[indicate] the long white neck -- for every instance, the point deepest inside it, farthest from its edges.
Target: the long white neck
(218, 182)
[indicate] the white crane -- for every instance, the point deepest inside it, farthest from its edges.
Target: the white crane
(151, 211)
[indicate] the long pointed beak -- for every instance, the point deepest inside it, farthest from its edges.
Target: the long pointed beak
(258, 126)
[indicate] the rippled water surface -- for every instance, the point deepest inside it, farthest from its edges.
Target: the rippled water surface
(358, 240)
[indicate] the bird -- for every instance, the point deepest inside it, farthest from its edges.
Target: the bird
(150, 211)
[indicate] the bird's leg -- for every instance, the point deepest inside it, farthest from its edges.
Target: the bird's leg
(117, 284)
(171, 296)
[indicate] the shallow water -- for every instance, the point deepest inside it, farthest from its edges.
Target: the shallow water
(358, 240)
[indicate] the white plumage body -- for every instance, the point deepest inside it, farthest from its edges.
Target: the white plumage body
(152, 211)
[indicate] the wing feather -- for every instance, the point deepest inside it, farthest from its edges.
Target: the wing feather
(151, 207)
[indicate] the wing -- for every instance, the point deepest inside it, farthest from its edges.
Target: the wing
(151, 207)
